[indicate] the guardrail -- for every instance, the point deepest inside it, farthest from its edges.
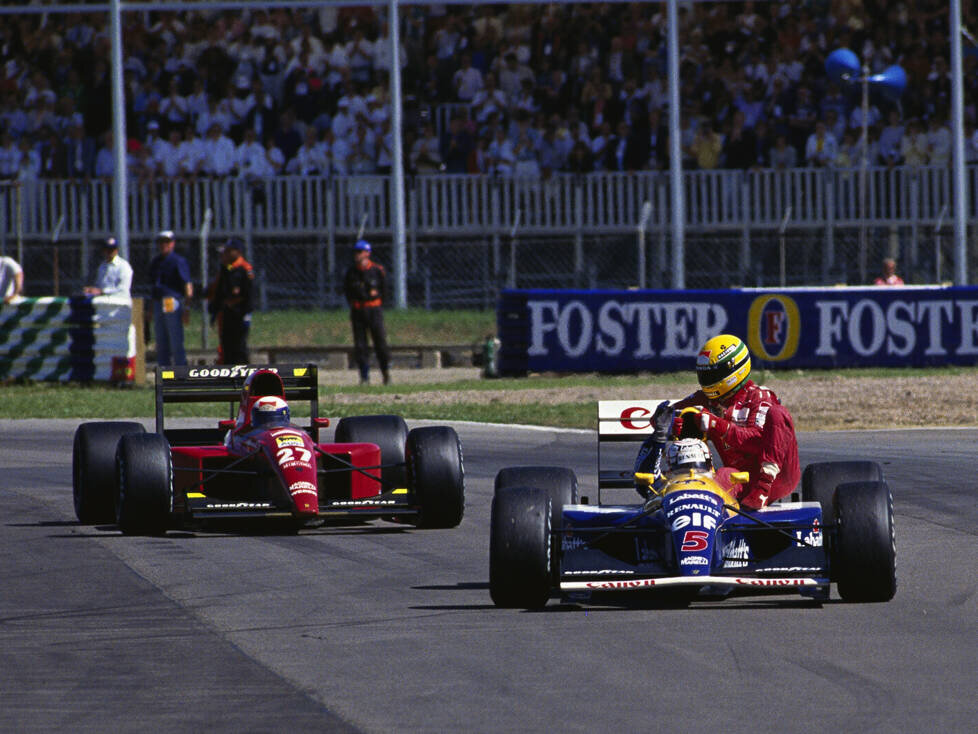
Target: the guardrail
(446, 204)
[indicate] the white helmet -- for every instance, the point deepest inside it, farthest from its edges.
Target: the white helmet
(685, 455)
(270, 410)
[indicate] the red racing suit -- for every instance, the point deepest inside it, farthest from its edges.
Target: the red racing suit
(752, 432)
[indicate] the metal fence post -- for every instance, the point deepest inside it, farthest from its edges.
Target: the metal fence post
(743, 269)
(914, 218)
(578, 228)
(828, 257)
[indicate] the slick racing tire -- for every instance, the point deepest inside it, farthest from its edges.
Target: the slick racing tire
(519, 548)
(389, 432)
(93, 469)
(144, 474)
(819, 481)
(864, 558)
(436, 475)
(559, 482)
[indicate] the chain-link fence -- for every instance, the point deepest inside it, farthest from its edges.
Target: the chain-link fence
(469, 272)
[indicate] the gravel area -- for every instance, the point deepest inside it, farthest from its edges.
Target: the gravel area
(817, 403)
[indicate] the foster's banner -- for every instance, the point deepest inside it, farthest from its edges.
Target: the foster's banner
(627, 331)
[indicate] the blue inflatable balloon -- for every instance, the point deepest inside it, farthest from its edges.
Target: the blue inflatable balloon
(842, 65)
(891, 82)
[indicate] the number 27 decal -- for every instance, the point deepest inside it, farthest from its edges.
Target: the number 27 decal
(288, 454)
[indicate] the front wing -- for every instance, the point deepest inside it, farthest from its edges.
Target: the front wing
(617, 548)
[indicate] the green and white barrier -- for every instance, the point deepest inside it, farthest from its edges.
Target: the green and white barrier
(81, 338)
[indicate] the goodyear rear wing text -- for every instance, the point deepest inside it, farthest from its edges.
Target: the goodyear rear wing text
(223, 383)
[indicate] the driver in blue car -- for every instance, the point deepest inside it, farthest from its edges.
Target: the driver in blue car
(746, 423)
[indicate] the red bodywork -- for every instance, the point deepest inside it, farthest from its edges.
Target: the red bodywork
(272, 468)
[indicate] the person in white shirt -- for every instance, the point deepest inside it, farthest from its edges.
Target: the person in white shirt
(309, 160)
(9, 156)
(190, 153)
(174, 107)
(502, 154)
(489, 99)
(105, 158)
(11, 279)
(426, 152)
(361, 54)
(467, 80)
(217, 112)
(363, 151)
(29, 168)
(938, 141)
(167, 154)
(219, 153)
(249, 154)
(343, 120)
(114, 277)
(821, 148)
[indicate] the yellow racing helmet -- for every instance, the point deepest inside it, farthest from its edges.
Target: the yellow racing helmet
(723, 365)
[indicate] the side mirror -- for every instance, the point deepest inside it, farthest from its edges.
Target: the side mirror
(227, 424)
(320, 422)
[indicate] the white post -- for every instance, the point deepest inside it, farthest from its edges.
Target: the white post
(119, 183)
(643, 223)
(675, 155)
(397, 161)
(957, 130)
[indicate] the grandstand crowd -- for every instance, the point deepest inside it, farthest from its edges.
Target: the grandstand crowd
(524, 90)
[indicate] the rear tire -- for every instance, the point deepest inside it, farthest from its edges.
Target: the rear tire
(864, 558)
(559, 482)
(519, 548)
(436, 475)
(93, 470)
(145, 484)
(389, 432)
(819, 481)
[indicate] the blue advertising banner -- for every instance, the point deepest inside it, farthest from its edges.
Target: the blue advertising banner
(661, 331)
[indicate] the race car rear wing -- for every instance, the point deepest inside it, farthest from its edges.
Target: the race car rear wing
(622, 421)
(220, 383)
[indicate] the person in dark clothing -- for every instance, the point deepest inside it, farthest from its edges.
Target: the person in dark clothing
(169, 274)
(364, 285)
(231, 303)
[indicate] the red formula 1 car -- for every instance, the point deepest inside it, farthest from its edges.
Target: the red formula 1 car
(259, 464)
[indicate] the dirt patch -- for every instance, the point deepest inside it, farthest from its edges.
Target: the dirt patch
(817, 403)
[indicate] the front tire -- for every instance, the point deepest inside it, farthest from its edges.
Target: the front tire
(519, 548)
(145, 484)
(865, 549)
(93, 481)
(436, 475)
(559, 482)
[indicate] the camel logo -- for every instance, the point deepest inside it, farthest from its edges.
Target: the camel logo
(773, 327)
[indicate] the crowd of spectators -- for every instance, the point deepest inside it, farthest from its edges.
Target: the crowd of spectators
(504, 89)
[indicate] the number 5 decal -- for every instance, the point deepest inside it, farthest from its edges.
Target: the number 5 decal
(695, 540)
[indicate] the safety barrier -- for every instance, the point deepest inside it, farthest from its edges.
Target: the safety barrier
(661, 331)
(68, 339)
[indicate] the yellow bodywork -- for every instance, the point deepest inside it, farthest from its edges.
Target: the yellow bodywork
(696, 481)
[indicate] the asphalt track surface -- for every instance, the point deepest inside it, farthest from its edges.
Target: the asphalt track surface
(393, 630)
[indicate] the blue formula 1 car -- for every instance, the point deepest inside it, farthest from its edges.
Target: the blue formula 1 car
(690, 539)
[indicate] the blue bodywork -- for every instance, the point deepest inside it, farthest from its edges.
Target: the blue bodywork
(691, 534)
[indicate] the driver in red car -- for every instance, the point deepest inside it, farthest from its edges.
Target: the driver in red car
(750, 429)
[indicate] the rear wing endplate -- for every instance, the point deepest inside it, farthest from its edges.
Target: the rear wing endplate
(623, 421)
(220, 383)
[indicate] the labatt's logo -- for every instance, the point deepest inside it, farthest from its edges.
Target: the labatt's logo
(773, 327)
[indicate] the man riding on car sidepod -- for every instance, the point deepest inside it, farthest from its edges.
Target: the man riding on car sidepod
(750, 429)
